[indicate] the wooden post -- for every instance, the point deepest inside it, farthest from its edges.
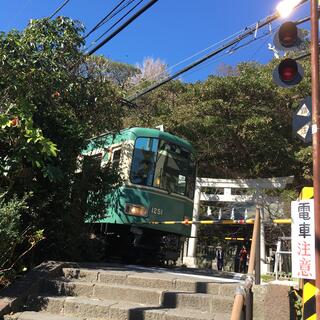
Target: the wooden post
(315, 94)
(237, 307)
(249, 305)
(254, 242)
(257, 269)
(241, 291)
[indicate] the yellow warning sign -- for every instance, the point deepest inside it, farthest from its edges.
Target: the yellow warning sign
(309, 300)
(306, 193)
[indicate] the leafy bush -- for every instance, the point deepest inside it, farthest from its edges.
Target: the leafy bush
(15, 241)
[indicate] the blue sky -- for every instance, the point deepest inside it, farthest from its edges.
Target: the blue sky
(171, 30)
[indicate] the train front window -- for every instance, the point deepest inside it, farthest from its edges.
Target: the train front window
(164, 165)
(174, 170)
(143, 161)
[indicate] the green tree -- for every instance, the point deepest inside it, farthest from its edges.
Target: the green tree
(240, 123)
(51, 103)
(106, 70)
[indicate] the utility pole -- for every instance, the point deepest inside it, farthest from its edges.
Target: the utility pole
(316, 139)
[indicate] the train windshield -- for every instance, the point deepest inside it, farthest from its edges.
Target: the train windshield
(164, 165)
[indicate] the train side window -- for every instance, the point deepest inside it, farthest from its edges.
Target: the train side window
(116, 155)
(92, 164)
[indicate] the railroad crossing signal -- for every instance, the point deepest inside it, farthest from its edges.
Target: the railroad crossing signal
(289, 72)
(288, 37)
(301, 123)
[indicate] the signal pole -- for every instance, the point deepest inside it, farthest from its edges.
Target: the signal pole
(316, 139)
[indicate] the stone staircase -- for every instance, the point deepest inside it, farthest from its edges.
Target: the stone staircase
(124, 293)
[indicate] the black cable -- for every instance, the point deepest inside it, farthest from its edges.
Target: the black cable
(135, 16)
(59, 9)
(106, 18)
(119, 20)
(305, 55)
(231, 43)
(128, 103)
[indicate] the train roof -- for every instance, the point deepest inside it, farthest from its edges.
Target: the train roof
(133, 133)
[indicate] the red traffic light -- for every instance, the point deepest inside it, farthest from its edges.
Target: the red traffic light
(288, 70)
(288, 34)
(288, 37)
(288, 73)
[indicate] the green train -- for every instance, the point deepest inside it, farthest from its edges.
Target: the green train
(158, 178)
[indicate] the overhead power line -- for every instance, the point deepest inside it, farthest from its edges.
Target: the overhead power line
(119, 20)
(205, 58)
(57, 10)
(232, 50)
(166, 71)
(248, 31)
(106, 18)
(131, 19)
(305, 55)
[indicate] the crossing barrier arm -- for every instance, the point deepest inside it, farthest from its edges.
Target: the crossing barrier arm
(208, 222)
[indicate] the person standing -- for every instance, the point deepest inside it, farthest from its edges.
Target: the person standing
(220, 257)
(243, 257)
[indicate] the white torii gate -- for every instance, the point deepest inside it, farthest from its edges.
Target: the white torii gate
(227, 185)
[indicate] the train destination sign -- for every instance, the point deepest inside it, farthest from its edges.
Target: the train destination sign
(303, 239)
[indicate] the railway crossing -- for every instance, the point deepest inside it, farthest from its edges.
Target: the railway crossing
(245, 191)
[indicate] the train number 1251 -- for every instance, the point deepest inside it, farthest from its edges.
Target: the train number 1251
(157, 211)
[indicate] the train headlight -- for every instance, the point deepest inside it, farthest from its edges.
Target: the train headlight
(136, 210)
(157, 182)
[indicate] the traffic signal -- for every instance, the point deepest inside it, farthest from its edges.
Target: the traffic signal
(288, 37)
(289, 72)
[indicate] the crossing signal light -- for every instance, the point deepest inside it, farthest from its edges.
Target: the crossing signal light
(288, 34)
(288, 37)
(289, 72)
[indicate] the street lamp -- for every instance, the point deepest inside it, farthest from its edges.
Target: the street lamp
(285, 7)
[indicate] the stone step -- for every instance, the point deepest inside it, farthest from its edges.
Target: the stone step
(112, 310)
(83, 306)
(163, 314)
(185, 314)
(104, 291)
(31, 315)
(166, 281)
(198, 301)
(87, 307)
(97, 307)
(174, 287)
(148, 296)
